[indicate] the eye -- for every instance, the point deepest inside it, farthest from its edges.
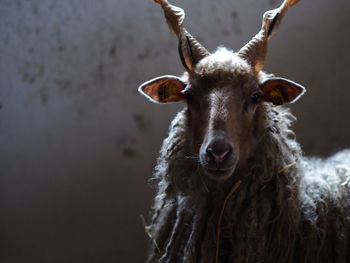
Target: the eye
(255, 96)
(188, 95)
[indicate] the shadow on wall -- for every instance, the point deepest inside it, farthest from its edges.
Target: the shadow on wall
(78, 143)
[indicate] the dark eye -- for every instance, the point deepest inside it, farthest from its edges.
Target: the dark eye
(188, 95)
(255, 96)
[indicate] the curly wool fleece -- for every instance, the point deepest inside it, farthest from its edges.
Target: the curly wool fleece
(288, 208)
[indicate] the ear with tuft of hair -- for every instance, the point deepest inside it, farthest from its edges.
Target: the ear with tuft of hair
(280, 91)
(164, 89)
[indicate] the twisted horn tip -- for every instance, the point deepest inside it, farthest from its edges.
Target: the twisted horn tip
(161, 2)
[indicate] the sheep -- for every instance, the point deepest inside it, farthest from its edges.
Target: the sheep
(232, 182)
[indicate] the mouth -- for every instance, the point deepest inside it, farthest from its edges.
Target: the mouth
(219, 173)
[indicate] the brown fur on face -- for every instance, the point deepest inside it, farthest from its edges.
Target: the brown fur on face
(220, 108)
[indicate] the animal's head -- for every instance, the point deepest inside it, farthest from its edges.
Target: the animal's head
(224, 92)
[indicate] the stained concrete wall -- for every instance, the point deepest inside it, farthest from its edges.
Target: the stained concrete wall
(77, 143)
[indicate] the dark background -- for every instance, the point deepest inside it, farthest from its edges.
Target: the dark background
(78, 143)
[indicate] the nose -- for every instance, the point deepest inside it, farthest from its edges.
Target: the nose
(218, 151)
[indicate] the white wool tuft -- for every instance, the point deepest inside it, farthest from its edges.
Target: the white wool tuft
(223, 61)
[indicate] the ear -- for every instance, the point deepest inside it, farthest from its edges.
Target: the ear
(163, 89)
(280, 91)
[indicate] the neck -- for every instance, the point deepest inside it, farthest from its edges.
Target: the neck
(264, 205)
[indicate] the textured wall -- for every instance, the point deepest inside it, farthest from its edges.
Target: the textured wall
(77, 143)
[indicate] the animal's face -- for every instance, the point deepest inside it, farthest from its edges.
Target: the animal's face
(221, 103)
(220, 123)
(223, 97)
(223, 92)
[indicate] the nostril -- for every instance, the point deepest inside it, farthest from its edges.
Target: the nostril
(209, 150)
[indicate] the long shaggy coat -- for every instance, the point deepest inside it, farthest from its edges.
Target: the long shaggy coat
(283, 208)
